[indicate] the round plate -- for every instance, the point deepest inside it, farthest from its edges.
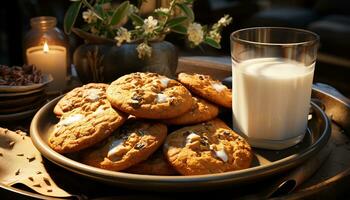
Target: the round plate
(17, 116)
(24, 100)
(47, 78)
(16, 94)
(266, 162)
(24, 107)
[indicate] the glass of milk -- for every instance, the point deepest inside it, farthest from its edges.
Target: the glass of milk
(272, 71)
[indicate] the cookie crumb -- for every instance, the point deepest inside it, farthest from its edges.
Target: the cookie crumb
(47, 181)
(30, 159)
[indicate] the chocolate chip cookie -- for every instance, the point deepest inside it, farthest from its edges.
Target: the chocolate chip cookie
(85, 125)
(149, 95)
(207, 88)
(87, 96)
(133, 143)
(156, 164)
(200, 111)
(207, 148)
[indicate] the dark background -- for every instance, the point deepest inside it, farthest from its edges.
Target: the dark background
(329, 18)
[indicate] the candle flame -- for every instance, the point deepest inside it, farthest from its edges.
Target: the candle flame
(46, 48)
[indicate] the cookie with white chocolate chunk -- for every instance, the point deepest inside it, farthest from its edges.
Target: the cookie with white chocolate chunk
(207, 148)
(200, 111)
(156, 164)
(87, 96)
(132, 143)
(149, 95)
(207, 88)
(83, 124)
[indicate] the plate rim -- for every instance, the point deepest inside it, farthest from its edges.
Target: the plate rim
(18, 115)
(119, 178)
(16, 94)
(24, 88)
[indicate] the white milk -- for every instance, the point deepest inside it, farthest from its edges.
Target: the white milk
(271, 99)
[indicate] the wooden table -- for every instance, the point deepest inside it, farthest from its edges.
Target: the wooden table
(331, 181)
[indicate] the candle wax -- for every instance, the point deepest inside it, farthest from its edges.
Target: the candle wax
(52, 62)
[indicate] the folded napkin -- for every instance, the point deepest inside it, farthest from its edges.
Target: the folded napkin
(21, 162)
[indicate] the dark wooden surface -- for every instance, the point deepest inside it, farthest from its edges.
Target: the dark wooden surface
(329, 182)
(328, 178)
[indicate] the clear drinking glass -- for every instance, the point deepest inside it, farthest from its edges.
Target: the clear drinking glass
(272, 71)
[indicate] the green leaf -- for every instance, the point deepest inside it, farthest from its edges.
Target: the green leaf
(212, 42)
(138, 21)
(159, 13)
(189, 1)
(175, 21)
(86, 3)
(99, 10)
(71, 16)
(120, 13)
(188, 11)
(179, 29)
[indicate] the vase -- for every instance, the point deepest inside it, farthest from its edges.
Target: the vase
(105, 62)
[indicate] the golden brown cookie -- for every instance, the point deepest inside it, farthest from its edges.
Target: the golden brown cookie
(89, 94)
(207, 88)
(85, 126)
(201, 111)
(156, 164)
(133, 143)
(149, 95)
(207, 148)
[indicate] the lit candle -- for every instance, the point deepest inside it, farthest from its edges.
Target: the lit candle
(50, 60)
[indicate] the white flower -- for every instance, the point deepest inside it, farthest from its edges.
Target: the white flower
(215, 35)
(132, 9)
(89, 16)
(150, 25)
(195, 33)
(163, 10)
(122, 35)
(144, 50)
(225, 20)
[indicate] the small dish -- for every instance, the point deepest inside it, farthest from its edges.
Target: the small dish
(22, 108)
(18, 116)
(47, 78)
(17, 94)
(10, 102)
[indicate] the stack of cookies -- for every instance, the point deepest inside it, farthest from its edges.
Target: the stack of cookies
(124, 126)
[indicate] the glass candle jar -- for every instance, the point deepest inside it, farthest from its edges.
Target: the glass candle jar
(46, 47)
